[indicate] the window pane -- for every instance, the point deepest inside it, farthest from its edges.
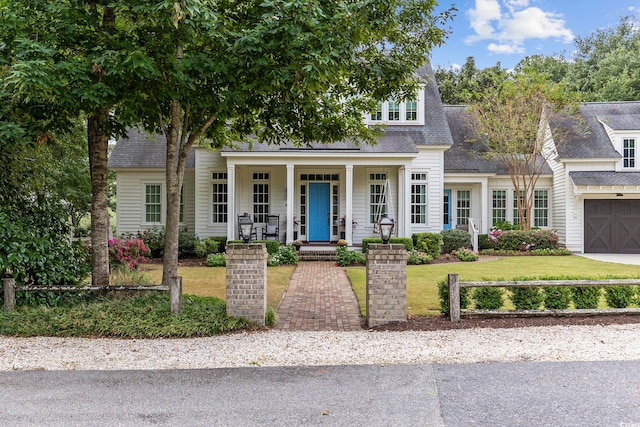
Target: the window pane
(464, 207)
(541, 208)
(499, 212)
(152, 203)
(411, 111)
(394, 111)
(219, 199)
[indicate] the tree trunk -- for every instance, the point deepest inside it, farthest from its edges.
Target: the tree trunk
(98, 149)
(173, 181)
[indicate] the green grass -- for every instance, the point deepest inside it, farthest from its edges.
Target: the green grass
(145, 316)
(422, 291)
(211, 281)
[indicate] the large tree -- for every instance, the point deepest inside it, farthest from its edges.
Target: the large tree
(276, 70)
(458, 86)
(511, 119)
(606, 64)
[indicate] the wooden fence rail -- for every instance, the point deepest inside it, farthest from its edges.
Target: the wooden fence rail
(174, 288)
(455, 284)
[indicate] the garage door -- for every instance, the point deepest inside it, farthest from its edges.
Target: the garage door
(612, 226)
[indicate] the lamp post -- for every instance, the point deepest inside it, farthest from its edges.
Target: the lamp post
(386, 228)
(246, 228)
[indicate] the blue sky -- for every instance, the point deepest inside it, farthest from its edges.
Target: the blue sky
(509, 30)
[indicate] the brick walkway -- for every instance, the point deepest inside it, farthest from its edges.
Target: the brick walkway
(319, 298)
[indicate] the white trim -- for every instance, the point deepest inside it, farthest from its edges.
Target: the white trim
(163, 196)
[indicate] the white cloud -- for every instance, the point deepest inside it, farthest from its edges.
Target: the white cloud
(508, 29)
(505, 48)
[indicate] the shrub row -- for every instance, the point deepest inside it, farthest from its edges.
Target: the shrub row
(551, 297)
(523, 240)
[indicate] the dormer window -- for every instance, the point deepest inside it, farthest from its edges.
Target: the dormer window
(629, 153)
(394, 112)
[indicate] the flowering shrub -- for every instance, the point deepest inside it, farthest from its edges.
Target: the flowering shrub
(465, 255)
(523, 240)
(129, 253)
(416, 257)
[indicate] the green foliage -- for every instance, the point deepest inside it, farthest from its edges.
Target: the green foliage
(549, 252)
(216, 260)
(487, 298)
(465, 255)
(127, 276)
(222, 242)
(458, 86)
(429, 243)
(36, 246)
(556, 297)
(287, 254)
(483, 242)
(586, 296)
(146, 316)
(619, 296)
(186, 244)
(443, 294)
(452, 240)
(528, 298)
(504, 226)
(271, 317)
(415, 257)
(345, 257)
(524, 240)
(273, 246)
(206, 246)
(153, 239)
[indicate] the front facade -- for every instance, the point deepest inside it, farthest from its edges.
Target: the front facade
(423, 173)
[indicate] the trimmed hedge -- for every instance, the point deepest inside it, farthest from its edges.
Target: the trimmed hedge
(523, 240)
(452, 240)
(429, 243)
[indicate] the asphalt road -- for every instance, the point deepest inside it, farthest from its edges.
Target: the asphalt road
(488, 394)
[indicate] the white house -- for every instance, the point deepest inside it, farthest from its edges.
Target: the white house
(422, 173)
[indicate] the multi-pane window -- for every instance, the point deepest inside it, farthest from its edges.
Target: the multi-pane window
(376, 116)
(219, 197)
(541, 208)
(463, 211)
(394, 111)
(629, 153)
(152, 203)
(418, 198)
(516, 217)
(377, 196)
(260, 196)
(499, 210)
(411, 111)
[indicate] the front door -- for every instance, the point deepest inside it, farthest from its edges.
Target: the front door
(319, 205)
(446, 210)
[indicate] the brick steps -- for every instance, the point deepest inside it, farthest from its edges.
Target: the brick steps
(317, 255)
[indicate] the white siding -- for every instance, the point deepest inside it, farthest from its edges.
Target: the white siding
(432, 162)
(130, 199)
(207, 161)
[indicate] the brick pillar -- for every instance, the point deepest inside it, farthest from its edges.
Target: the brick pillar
(386, 284)
(247, 281)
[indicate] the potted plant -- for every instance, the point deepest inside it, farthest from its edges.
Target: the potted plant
(297, 243)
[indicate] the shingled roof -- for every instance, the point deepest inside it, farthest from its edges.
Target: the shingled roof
(605, 178)
(141, 150)
(467, 155)
(585, 137)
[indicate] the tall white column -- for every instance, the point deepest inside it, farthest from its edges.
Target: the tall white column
(403, 223)
(231, 203)
(290, 202)
(485, 206)
(348, 229)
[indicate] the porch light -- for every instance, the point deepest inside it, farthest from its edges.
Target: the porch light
(246, 228)
(386, 228)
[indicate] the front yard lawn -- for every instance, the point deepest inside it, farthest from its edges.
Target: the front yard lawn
(422, 290)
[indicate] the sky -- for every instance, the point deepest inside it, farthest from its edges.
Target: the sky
(507, 31)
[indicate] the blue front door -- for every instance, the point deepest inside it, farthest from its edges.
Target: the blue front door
(319, 202)
(446, 210)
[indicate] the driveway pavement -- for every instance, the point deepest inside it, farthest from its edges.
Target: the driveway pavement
(484, 394)
(633, 259)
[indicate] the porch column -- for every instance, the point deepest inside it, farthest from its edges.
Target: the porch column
(403, 223)
(231, 202)
(348, 229)
(485, 206)
(290, 202)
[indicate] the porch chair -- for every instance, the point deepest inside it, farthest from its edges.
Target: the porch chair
(254, 231)
(271, 228)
